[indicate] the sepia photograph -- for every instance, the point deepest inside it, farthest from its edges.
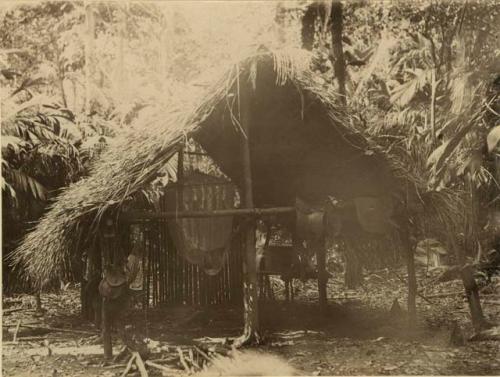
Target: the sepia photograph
(250, 188)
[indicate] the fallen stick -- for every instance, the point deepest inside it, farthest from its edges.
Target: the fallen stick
(11, 310)
(15, 324)
(32, 338)
(203, 354)
(160, 367)
(165, 359)
(60, 329)
(15, 331)
(115, 366)
(140, 365)
(491, 302)
(446, 294)
(183, 361)
(129, 365)
(11, 302)
(192, 360)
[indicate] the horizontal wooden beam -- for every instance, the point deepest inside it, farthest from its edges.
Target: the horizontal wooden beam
(141, 215)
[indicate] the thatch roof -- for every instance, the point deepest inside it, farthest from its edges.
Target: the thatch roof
(130, 164)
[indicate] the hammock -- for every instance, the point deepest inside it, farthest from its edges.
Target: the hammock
(202, 241)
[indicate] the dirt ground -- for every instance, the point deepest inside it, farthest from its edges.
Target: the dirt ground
(359, 335)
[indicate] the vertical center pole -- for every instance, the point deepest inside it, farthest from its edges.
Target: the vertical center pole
(250, 299)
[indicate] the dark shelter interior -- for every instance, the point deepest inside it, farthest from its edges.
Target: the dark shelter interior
(295, 147)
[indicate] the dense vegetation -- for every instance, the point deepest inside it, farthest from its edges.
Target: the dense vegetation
(75, 74)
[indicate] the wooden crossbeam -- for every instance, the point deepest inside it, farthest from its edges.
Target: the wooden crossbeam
(130, 216)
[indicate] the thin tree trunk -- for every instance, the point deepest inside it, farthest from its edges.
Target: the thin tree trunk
(250, 294)
(412, 278)
(433, 104)
(89, 48)
(165, 48)
(470, 286)
(121, 56)
(409, 249)
(63, 93)
(338, 62)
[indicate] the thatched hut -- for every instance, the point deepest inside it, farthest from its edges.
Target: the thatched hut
(272, 127)
(301, 143)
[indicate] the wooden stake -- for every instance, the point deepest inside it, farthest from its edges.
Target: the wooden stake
(106, 330)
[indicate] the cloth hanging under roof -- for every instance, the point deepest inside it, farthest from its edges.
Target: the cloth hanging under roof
(202, 241)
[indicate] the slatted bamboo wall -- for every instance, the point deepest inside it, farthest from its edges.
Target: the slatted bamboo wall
(170, 279)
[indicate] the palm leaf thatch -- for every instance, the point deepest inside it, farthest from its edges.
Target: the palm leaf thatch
(134, 161)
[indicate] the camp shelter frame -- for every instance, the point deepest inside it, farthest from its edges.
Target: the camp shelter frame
(300, 140)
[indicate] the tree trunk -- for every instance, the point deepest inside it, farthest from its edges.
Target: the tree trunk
(121, 57)
(89, 48)
(338, 60)
(250, 294)
(309, 25)
(472, 293)
(433, 105)
(412, 277)
(470, 286)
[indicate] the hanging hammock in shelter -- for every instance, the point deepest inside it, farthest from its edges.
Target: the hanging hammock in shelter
(202, 241)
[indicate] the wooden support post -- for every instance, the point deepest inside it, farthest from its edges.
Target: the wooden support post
(250, 297)
(107, 248)
(322, 277)
(38, 300)
(106, 330)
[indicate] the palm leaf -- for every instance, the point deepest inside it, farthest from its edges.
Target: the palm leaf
(27, 184)
(493, 138)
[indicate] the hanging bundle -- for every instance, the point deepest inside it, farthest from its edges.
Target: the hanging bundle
(202, 241)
